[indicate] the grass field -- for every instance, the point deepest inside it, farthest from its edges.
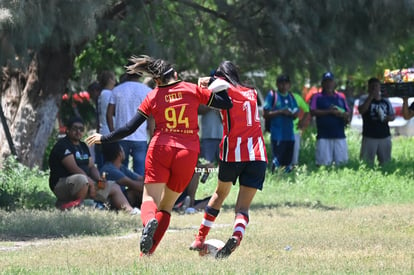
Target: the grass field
(337, 220)
(279, 240)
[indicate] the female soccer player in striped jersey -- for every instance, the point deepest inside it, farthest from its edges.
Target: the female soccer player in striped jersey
(242, 156)
(173, 150)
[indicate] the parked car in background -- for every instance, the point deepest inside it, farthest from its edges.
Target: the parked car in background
(399, 125)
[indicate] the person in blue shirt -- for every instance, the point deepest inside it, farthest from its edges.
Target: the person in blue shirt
(281, 108)
(332, 114)
(130, 182)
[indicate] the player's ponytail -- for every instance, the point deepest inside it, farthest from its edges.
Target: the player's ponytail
(156, 68)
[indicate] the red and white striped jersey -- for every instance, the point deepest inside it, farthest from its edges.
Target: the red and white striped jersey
(242, 132)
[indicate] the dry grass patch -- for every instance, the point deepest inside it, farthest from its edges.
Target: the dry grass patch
(376, 240)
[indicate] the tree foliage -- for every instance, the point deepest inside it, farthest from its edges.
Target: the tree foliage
(39, 41)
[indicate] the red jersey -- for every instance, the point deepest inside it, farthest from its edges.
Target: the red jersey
(242, 132)
(174, 108)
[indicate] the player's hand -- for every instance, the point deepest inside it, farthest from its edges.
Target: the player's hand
(203, 81)
(93, 139)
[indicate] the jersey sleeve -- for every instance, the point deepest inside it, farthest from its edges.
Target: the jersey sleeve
(146, 107)
(205, 95)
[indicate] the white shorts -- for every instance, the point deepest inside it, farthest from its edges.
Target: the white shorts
(329, 151)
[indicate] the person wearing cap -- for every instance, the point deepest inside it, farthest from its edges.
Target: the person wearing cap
(74, 177)
(332, 114)
(281, 108)
(376, 112)
(123, 103)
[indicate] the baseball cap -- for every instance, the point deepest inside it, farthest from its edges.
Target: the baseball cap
(283, 78)
(328, 76)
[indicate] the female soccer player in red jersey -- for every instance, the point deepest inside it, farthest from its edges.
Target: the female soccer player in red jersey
(173, 150)
(242, 156)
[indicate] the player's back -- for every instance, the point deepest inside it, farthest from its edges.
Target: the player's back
(243, 138)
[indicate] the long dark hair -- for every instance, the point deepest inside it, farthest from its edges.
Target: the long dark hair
(229, 71)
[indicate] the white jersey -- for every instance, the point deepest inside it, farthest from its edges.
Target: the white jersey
(127, 97)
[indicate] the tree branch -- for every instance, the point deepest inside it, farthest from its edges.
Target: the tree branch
(204, 9)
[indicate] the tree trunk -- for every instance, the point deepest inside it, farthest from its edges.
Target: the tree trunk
(30, 101)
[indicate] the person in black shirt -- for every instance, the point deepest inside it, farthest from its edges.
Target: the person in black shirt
(74, 177)
(376, 112)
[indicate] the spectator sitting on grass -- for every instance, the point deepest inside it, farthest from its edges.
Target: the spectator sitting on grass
(73, 175)
(131, 183)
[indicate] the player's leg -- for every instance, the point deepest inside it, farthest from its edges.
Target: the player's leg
(210, 214)
(182, 167)
(163, 216)
(149, 208)
(251, 180)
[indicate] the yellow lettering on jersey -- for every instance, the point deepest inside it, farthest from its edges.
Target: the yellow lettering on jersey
(173, 97)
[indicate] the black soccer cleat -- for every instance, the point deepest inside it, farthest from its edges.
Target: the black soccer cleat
(228, 248)
(147, 235)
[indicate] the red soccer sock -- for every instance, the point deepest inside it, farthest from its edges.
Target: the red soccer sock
(210, 216)
(163, 219)
(240, 224)
(148, 210)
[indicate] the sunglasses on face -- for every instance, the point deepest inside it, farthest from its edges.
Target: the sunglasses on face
(77, 128)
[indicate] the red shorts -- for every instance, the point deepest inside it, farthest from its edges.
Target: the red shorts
(170, 165)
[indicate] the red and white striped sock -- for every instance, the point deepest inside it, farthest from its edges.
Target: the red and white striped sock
(240, 224)
(210, 216)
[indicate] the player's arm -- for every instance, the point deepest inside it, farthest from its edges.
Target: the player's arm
(124, 131)
(219, 97)
(119, 133)
(220, 100)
